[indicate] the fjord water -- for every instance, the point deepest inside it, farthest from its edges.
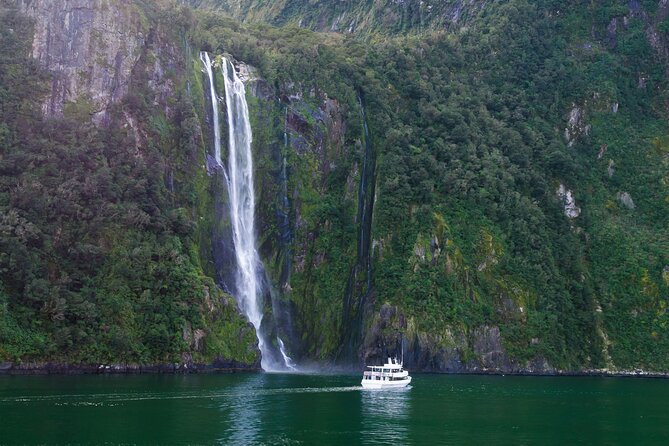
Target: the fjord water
(275, 409)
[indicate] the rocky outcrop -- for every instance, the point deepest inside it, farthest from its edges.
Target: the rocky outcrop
(576, 125)
(455, 350)
(89, 46)
(566, 196)
(626, 200)
(94, 50)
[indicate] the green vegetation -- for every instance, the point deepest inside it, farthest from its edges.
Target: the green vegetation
(359, 16)
(96, 246)
(469, 131)
(101, 258)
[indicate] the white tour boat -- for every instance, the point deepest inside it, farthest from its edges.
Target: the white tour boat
(387, 376)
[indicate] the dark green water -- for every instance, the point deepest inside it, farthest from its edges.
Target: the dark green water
(266, 409)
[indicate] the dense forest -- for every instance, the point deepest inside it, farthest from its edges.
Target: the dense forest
(488, 191)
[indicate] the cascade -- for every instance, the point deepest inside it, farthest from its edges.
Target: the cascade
(204, 57)
(283, 212)
(357, 292)
(248, 284)
(366, 199)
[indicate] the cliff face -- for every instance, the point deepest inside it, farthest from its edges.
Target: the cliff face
(477, 262)
(90, 47)
(491, 198)
(119, 79)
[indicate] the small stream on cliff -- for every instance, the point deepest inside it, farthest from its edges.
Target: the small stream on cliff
(291, 409)
(359, 284)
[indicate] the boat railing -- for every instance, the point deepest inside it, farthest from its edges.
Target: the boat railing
(386, 374)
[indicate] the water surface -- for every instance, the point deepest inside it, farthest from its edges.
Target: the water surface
(269, 409)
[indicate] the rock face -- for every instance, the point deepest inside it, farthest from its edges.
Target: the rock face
(568, 202)
(576, 125)
(90, 46)
(294, 121)
(477, 350)
(626, 200)
(106, 52)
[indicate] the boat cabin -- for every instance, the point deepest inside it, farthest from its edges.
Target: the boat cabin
(391, 371)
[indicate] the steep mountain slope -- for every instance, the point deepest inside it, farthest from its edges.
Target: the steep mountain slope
(500, 235)
(489, 197)
(352, 16)
(97, 224)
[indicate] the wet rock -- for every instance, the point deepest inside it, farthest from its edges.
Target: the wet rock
(392, 334)
(487, 344)
(626, 200)
(198, 336)
(223, 364)
(92, 49)
(568, 202)
(255, 85)
(641, 81)
(186, 359)
(186, 366)
(576, 125)
(602, 151)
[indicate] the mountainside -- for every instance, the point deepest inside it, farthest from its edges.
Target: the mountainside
(484, 185)
(353, 16)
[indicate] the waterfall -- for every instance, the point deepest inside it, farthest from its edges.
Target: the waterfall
(366, 199)
(204, 57)
(248, 284)
(242, 202)
(357, 292)
(283, 211)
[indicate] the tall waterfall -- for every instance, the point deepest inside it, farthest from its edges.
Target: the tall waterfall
(249, 272)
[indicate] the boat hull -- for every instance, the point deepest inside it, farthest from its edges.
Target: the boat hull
(380, 384)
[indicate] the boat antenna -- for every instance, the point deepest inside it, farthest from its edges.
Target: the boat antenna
(402, 349)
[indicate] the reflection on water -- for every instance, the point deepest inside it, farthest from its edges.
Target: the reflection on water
(385, 416)
(241, 409)
(265, 409)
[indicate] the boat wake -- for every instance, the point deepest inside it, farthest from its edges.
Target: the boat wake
(99, 399)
